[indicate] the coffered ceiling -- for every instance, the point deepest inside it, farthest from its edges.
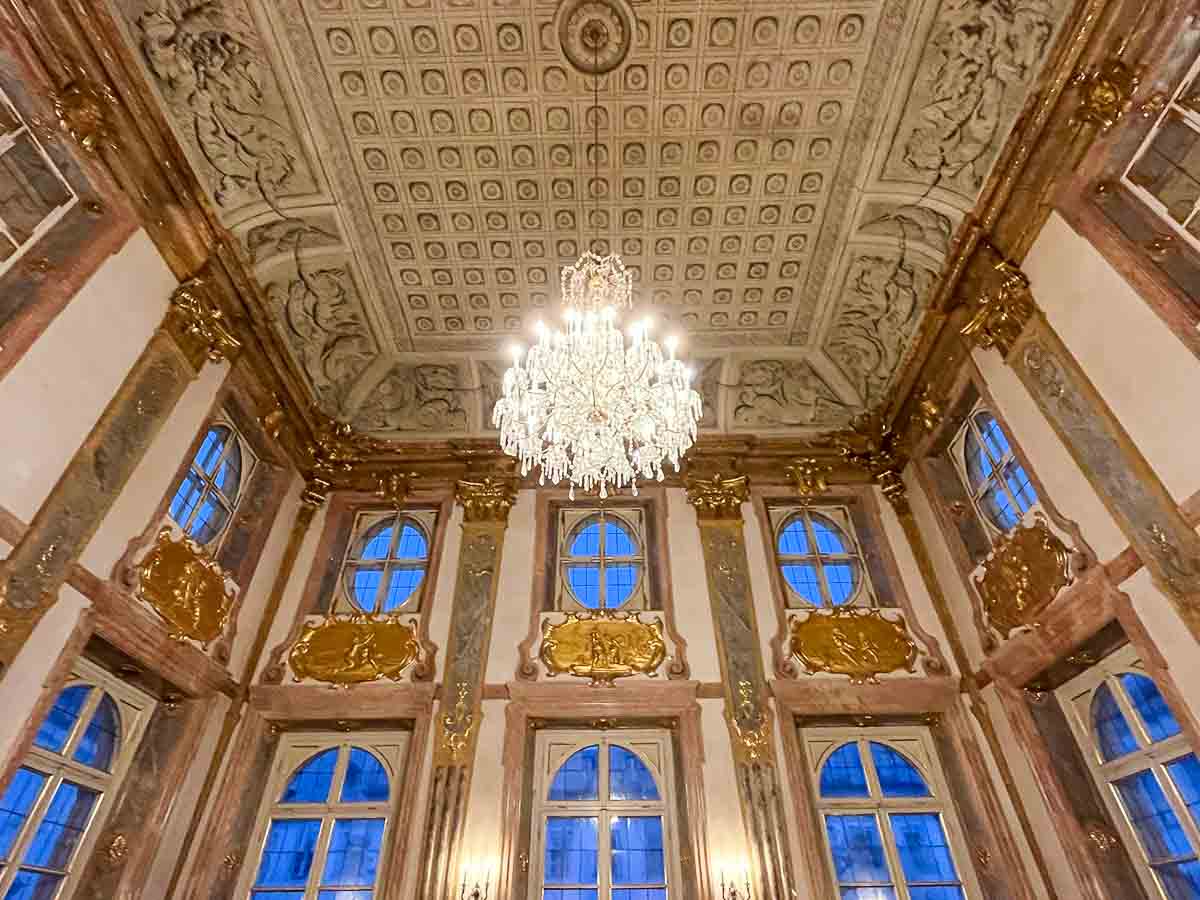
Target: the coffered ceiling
(409, 176)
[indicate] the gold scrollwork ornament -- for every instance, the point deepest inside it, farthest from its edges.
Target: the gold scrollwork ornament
(354, 650)
(809, 477)
(718, 497)
(751, 727)
(186, 588)
(1002, 314)
(1106, 93)
(853, 641)
(457, 728)
(603, 646)
(1023, 575)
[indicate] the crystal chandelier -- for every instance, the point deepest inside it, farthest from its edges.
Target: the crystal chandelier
(590, 404)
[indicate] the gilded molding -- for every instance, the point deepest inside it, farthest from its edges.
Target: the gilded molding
(354, 650)
(334, 452)
(455, 730)
(84, 109)
(1002, 315)
(873, 447)
(751, 728)
(394, 488)
(186, 588)
(809, 477)
(1023, 575)
(198, 324)
(488, 500)
(718, 497)
(853, 641)
(1105, 93)
(603, 646)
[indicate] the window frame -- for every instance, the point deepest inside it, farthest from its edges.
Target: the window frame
(134, 708)
(839, 514)
(250, 461)
(915, 744)
(958, 455)
(571, 519)
(294, 749)
(425, 520)
(552, 741)
(1075, 697)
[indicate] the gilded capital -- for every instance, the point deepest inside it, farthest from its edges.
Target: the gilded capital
(876, 449)
(395, 487)
(809, 477)
(84, 111)
(488, 500)
(198, 325)
(718, 497)
(1001, 316)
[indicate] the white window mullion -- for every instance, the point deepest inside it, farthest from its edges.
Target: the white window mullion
(318, 862)
(892, 853)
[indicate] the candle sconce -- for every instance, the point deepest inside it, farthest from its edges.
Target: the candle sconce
(476, 893)
(730, 890)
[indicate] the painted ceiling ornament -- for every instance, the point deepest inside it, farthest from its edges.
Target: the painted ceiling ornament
(186, 588)
(603, 646)
(595, 34)
(354, 650)
(1023, 576)
(853, 641)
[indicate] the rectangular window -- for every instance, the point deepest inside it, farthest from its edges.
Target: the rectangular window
(601, 559)
(1145, 770)
(56, 803)
(819, 557)
(321, 831)
(33, 194)
(204, 501)
(890, 830)
(602, 816)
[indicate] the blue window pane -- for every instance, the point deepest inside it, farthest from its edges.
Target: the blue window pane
(897, 776)
(353, 856)
(979, 464)
(936, 892)
(62, 827)
(793, 540)
(619, 582)
(366, 779)
(585, 584)
(640, 894)
(1185, 773)
(402, 584)
(999, 507)
(840, 577)
(802, 578)
(857, 850)
(1180, 880)
(310, 783)
(342, 894)
(843, 774)
(1150, 705)
(33, 886)
(364, 586)
(830, 539)
(570, 894)
(993, 435)
(186, 497)
(637, 850)
(617, 541)
(61, 719)
(1112, 731)
(924, 852)
(288, 853)
(20, 796)
(378, 545)
(277, 895)
(571, 850)
(99, 742)
(412, 544)
(1018, 482)
(210, 449)
(579, 777)
(629, 778)
(229, 475)
(868, 893)
(209, 519)
(587, 540)
(1152, 817)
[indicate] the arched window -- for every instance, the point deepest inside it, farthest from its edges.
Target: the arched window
(603, 829)
(1146, 772)
(386, 564)
(602, 560)
(321, 836)
(998, 483)
(889, 831)
(819, 559)
(203, 503)
(58, 799)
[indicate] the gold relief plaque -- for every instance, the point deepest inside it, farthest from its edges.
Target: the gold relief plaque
(1023, 575)
(852, 641)
(354, 649)
(185, 587)
(603, 646)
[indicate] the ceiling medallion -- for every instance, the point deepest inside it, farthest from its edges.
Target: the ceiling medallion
(595, 34)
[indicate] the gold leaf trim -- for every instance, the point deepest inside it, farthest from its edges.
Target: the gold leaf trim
(1023, 575)
(185, 587)
(603, 646)
(718, 497)
(354, 650)
(852, 641)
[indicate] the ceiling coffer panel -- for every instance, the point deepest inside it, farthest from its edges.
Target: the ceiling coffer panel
(409, 176)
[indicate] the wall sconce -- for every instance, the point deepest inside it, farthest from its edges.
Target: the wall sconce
(477, 893)
(471, 888)
(730, 890)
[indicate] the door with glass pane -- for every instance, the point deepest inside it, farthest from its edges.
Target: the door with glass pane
(603, 829)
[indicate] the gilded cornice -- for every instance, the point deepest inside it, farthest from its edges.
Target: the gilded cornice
(198, 325)
(487, 500)
(84, 109)
(874, 448)
(718, 497)
(1002, 314)
(809, 478)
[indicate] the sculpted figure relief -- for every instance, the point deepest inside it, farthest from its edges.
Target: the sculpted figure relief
(424, 397)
